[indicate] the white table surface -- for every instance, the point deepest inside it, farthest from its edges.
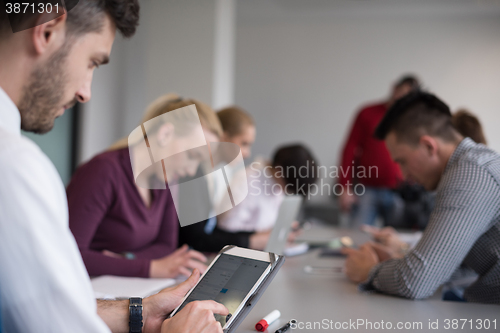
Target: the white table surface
(330, 296)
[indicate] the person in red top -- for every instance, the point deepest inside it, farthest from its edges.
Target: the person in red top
(366, 161)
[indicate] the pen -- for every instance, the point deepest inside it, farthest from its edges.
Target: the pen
(285, 327)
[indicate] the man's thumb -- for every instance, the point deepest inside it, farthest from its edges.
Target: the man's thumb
(185, 286)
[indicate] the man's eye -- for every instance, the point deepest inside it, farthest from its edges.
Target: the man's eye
(95, 64)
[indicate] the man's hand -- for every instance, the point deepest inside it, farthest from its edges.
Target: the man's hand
(196, 317)
(346, 201)
(359, 262)
(384, 252)
(182, 261)
(155, 308)
(390, 240)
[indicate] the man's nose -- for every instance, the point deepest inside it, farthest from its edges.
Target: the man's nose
(84, 94)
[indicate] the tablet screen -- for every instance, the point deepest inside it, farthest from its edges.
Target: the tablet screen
(228, 282)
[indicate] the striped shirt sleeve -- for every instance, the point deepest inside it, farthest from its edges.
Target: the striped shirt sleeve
(467, 203)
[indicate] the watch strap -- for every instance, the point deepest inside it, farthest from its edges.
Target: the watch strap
(135, 315)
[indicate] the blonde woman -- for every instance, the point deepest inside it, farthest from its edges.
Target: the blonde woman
(249, 223)
(123, 229)
(239, 128)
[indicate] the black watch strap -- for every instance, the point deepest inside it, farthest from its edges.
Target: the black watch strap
(135, 317)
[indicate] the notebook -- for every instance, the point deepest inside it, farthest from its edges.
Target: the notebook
(115, 287)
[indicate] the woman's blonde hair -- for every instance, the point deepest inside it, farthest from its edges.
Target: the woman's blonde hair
(234, 120)
(171, 102)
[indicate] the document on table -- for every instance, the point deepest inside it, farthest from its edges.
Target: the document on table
(113, 287)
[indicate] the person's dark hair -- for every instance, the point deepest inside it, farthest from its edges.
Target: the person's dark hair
(416, 114)
(468, 125)
(410, 80)
(84, 17)
(297, 165)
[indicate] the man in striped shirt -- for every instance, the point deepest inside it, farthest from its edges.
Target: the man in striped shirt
(464, 228)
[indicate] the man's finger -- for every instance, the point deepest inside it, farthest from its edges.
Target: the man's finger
(185, 286)
(367, 247)
(214, 307)
(381, 238)
(389, 230)
(378, 246)
(382, 251)
(213, 327)
(348, 250)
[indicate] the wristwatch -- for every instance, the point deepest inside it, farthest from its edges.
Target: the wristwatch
(135, 317)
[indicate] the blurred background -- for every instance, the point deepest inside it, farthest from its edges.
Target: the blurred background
(302, 68)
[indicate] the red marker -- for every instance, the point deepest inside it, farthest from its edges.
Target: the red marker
(262, 325)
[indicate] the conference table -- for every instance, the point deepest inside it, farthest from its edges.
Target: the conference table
(322, 299)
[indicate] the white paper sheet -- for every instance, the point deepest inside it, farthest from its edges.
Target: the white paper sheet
(112, 287)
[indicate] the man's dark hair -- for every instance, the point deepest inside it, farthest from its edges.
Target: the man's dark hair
(410, 80)
(293, 159)
(84, 16)
(416, 114)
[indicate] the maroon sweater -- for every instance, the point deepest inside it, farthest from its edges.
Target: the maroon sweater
(366, 151)
(106, 212)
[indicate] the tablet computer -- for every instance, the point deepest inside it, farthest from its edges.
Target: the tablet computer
(236, 278)
(287, 214)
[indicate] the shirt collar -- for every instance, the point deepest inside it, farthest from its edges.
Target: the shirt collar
(464, 146)
(10, 119)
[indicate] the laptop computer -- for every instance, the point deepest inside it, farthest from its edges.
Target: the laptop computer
(286, 216)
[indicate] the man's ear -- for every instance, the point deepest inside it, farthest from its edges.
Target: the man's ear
(49, 35)
(430, 144)
(165, 134)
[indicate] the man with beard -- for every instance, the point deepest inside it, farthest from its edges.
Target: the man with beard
(45, 68)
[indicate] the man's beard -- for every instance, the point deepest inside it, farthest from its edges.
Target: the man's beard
(42, 98)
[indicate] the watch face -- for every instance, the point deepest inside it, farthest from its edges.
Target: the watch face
(136, 310)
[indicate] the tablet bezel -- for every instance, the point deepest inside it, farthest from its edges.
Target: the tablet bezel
(243, 253)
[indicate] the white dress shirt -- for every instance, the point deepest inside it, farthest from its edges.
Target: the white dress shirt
(44, 286)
